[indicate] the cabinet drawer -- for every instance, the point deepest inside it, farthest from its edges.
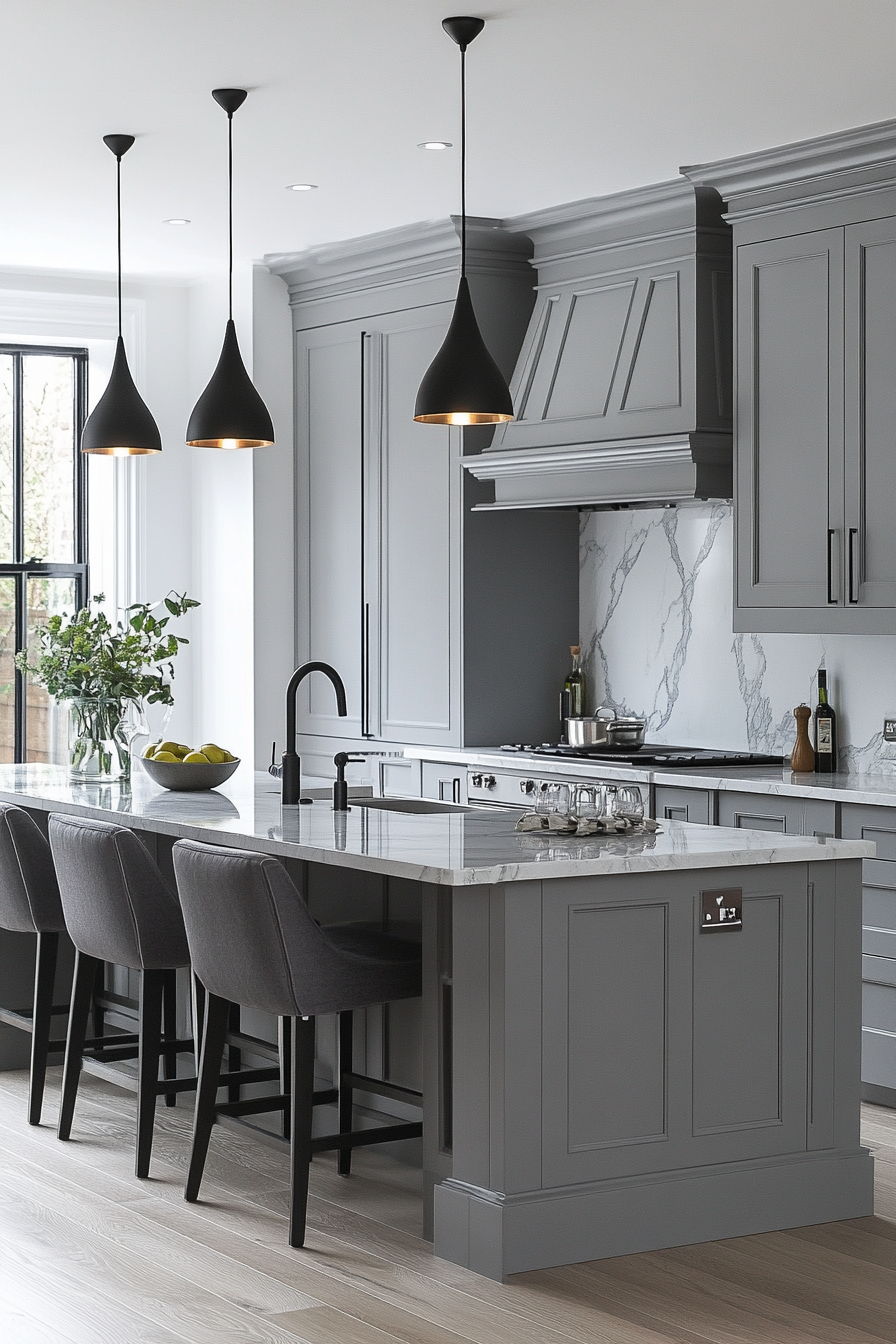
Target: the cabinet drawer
(879, 1005)
(769, 812)
(878, 1058)
(861, 822)
(878, 907)
(880, 971)
(445, 781)
(399, 779)
(673, 804)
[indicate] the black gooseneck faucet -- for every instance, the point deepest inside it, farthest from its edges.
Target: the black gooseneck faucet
(290, 768)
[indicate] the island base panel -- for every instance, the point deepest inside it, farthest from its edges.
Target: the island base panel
(496, 1235)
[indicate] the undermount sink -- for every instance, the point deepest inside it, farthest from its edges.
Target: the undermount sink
(410, 805)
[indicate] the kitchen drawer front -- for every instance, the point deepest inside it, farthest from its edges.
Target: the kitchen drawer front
(770, 812)
(879, 1032)
(445, 781)
(671, 804)
(859, 822)
(880, 971)
(878, 916)
(399, 779)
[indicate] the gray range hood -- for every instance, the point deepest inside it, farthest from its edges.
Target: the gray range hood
(623, 388)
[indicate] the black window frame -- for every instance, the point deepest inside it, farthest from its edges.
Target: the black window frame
(22, 568)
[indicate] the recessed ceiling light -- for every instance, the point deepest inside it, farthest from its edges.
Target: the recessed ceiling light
(435, 144)
(302, 186)
(175, 221)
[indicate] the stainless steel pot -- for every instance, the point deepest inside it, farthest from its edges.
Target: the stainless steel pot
(590, 731)
(603, 730)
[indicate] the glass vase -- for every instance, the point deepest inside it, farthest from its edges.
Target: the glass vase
(99, 736)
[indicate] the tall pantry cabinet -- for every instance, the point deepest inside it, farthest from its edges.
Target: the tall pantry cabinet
(814, 229)
(449, 627)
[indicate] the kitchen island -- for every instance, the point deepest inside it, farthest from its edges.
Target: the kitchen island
(600, 1076)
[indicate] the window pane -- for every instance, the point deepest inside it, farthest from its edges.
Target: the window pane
(6, 458)
(7, 670)
(46, 721)
(48, 457)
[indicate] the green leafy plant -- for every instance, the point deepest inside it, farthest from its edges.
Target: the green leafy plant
(84, 656)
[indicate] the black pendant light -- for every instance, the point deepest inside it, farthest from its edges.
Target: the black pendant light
(121, 424)
(230, 413)
(463, 385)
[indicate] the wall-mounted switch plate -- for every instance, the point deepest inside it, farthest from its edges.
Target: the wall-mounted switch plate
(890, 730)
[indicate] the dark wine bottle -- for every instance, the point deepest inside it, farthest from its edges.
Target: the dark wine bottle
(825, 729)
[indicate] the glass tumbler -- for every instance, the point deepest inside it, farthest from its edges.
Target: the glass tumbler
(587, 801)
(629, 804)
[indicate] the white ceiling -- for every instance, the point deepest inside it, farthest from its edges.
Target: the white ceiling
(567, 99)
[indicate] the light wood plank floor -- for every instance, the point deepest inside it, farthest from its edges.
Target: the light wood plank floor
(90, 1255)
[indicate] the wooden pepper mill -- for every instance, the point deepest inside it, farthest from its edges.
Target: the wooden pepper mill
(802, 758)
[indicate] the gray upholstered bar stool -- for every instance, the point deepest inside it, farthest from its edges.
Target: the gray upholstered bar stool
(253, 942)
(119, 908)
(29, 903)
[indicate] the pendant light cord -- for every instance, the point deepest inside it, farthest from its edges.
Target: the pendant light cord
(118, 176)
(230, 215)
(463, 161)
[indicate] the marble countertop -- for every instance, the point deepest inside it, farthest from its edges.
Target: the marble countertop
(461, 848)
(879, 789)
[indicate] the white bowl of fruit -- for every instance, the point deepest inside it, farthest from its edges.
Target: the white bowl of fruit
(176, 766)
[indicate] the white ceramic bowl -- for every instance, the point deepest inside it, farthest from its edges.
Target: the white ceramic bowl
(186, 775)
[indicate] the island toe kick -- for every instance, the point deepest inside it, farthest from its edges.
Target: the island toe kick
(624, 1080)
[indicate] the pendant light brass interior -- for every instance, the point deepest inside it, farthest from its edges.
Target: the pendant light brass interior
(463, 385)
(121, 424)
(230, 413)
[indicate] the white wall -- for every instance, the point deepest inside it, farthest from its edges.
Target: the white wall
(656, 597)
(274, 513)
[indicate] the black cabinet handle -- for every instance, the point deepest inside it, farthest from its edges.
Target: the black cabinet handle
(853, 565)
(832, 594)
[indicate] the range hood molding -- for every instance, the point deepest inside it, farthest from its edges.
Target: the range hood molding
(637, 473)
(623, 390)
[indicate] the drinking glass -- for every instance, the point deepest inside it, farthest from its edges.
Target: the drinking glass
(553, 798)
(628, 804)
(587, 802)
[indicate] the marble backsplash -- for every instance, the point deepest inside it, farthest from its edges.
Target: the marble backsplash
(655, 626)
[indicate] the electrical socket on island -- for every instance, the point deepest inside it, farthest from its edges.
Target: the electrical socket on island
(890, 730)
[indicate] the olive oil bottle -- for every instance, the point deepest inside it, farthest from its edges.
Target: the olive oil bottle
(825, 729)
(572, 698)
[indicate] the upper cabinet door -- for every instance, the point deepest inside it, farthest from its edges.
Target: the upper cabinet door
(328, 519)
(414, 534)
(790, 540)
(870, 422)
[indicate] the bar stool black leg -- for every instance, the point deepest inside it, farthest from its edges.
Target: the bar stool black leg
(169, 1028)
(98, 1013)
(234, 1055)
(82, 996)
(42, 1020)
(284, 1045)
(301, 1112)
(214, 1034)
(346, 1098)
(197, 1012)
(150, 1044)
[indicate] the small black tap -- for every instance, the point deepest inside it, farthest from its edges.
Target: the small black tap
(289, 770)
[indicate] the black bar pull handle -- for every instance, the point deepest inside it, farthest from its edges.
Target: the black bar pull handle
(832, 585)
(853, 565)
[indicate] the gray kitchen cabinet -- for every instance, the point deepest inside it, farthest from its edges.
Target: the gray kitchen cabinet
(815, 393)
(677, 804)
(878, 948)
(445, 781)
(448, 627)
(771, 812)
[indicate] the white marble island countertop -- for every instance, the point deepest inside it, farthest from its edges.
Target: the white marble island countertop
(457, 848)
